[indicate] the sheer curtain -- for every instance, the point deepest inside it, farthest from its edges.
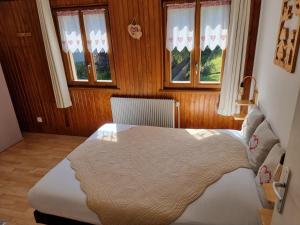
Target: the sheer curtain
(55, 63)
(69, 29)
(180, 26)
(95, 29)
(235, 56)
(214, 25)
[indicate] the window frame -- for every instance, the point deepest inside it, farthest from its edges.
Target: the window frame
(90, 63)
(195, 82)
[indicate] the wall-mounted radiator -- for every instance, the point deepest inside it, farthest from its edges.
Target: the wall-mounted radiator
(141, 111)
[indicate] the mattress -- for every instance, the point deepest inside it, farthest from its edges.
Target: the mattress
(232, 200)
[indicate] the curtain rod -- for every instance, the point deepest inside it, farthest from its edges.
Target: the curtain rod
(204, 3)
(215, 2)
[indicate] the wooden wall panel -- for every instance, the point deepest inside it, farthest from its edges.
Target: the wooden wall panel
(70, 3)
(138, 66)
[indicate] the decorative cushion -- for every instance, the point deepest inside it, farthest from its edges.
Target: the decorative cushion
(266, 171)
(260, 145)
(253, 119)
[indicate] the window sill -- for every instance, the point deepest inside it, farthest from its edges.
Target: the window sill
(91, 87)
(201, 90)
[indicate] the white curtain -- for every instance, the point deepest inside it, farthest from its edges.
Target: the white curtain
(69, 28)
(180, 27)
(95, 29)
(235, 56)
(55, 63)
(214, 25)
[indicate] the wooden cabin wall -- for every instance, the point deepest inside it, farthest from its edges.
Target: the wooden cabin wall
(138, 66)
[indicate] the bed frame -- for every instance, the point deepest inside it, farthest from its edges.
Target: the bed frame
(43, 218)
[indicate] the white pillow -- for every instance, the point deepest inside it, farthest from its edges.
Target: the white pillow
(253, 119)
(260, 145)
(267, 169)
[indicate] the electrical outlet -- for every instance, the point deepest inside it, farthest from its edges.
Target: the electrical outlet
(39, 119)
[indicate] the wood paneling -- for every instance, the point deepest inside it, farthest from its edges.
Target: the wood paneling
(70, 3)
(25, 66)
(138, 67)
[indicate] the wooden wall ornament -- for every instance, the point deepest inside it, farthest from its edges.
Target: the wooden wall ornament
(135, 30)
(288, 41)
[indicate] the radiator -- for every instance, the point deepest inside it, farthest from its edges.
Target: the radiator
(145, 112)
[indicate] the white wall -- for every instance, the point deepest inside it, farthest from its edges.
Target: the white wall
(291, 215)
(9, 128)
(278, 89)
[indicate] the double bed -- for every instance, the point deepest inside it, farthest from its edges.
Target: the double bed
(232, 200)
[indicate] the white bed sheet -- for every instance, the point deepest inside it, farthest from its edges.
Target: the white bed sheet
(232, 200)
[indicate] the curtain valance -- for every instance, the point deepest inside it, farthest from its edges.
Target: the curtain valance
(95, 29)
(70, 33)
(214, 25)
(180, 27)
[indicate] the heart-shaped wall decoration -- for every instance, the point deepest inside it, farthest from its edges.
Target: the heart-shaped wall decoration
(135, 31)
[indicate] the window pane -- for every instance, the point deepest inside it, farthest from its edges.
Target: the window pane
(70, 33)
(180, 65)
(213, 39)
(79, 66)
(69, 28)
(211, 65)
(97, 40)
(101, 60)
(180, 40)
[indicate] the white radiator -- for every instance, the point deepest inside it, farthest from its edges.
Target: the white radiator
(145, 112)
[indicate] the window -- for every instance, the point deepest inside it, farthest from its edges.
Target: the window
(196, 41)
(85, 43)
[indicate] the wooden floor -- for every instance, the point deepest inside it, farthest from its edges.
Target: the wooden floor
(22, 165)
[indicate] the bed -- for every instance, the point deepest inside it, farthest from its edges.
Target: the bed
(232, 200)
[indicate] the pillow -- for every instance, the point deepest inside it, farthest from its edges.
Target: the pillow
(260, 145)
(253, 119)
(267, 169)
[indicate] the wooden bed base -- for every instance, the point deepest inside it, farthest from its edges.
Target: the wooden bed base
(43, 218)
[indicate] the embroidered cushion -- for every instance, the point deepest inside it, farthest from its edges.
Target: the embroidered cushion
(260, 145)
(266, 171)
(253, 119)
